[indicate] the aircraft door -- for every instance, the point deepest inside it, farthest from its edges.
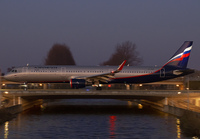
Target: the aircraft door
(63, 73)
(162, 73)
(25, 69)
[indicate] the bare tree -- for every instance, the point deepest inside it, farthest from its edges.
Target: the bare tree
(9, 69)
(124, 51)
(59, 54)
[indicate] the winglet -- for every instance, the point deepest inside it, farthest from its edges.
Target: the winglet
(121, 66)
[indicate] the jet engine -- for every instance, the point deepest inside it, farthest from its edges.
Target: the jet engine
(77, 83)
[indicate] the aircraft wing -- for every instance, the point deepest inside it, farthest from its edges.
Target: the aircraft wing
(105, 77)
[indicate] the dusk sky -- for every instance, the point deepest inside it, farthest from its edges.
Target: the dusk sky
(92, 29)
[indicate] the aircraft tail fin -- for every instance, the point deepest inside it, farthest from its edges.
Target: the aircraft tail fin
(181, 57)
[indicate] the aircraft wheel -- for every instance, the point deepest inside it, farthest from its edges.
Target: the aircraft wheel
(99, 88)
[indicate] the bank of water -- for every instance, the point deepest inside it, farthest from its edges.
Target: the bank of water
(9, 113)
(95, 119)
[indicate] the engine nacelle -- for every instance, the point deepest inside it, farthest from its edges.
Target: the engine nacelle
(77, 83)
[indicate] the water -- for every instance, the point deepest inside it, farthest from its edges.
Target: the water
(91, 119)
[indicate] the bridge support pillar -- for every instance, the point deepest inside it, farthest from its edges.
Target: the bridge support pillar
(166, 105)
(45, 86)
(14, 101)
(135, 86)
(195, 101)
(0, 98)
(198, 102)
(19, 100)
(166, 101)
(127, 86)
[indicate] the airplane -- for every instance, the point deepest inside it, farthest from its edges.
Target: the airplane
(82, 76)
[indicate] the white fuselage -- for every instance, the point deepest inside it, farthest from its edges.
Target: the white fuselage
(65, 73)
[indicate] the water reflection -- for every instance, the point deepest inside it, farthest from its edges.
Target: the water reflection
(190, 124)
(178, 128)
(85, 120)
(112, 120)
(6, 131)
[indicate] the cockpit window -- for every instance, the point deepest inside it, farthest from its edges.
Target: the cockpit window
(14, 71)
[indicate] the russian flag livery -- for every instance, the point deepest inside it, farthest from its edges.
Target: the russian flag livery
(181, 57)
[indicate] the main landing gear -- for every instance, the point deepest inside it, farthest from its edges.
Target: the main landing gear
(98, 88)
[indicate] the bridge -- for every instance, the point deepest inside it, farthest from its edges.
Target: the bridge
(91, 94)
(164, 100)
(152, 95)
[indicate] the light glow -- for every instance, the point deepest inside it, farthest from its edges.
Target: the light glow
(6, 130)
(6, 92)
(140, 106)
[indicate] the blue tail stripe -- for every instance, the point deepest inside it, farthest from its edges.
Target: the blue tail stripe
(181, 57)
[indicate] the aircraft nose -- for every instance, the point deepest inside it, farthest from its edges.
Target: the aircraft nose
(8, 77)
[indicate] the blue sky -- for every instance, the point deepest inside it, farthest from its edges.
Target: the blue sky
(91, 29)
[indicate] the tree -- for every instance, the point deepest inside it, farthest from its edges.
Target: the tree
(124, 51)
(9, 69)
(59, 54)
